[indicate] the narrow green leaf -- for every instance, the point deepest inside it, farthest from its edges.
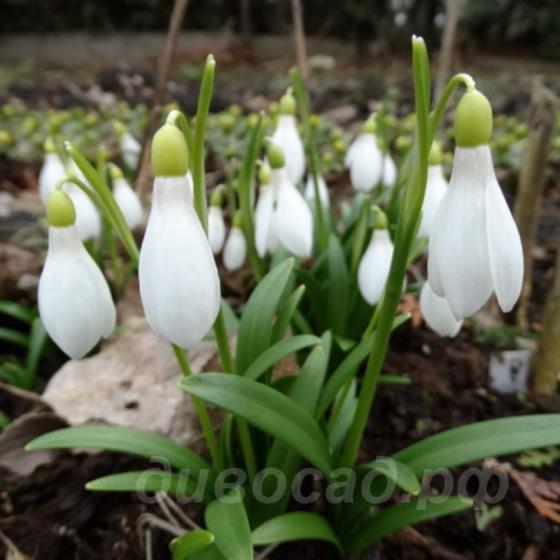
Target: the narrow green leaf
(124, 440)
(37, 339)
(265, 408)
(154, 480)
(343, 420)
(480, 440)
(394, 379)
(227, 519)
(397, 472)
(190, 543)
(14, 337)
(277, 352)
(314, 296)
(4, 420)
(338, 286)
(17, 311)
(389, 520)
(295, 526)
(286, 312)
(13, 373)
(255, 328)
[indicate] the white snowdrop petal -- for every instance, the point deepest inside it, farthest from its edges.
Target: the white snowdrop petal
(287, 137)
(374, 266)
(128, 202)
(292, 218)
(216, 229)
(366, 164)
(263, 218)
(190, 183)
(504, 244)
(389, 173)
(88, 221)
(130, 148)
(179, 283)
(323, 190)
(437, 313)
(436, 187)
(74, 299)
(51, 171)
(460, 242)
(235, 249)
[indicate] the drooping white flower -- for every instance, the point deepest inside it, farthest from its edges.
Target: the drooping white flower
(286, 136)
(51, 172)
(475, 248)
(375, 265)
(74, 299)
(323, 190)
(389, 173)
(130, 149)
(292, 218)
(235, 249)
(216, 228)
(128, 202)
(88, 221)
(266, 239)
(437, 313)
(179, 283)
(364, 159)
(436, 187)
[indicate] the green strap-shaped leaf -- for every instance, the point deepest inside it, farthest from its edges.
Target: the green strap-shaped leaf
(183, 547)
(14, 337)
(277, 352)
(374, 527)
(155, 480)
(395, 471)
(338, 429)
(286, 312)
(387, 379)
(227, 520)
(17, 311)
(124, 440)
(255, 327)
(294, 526)
(338, 286)
(473, 442)
(265, 408)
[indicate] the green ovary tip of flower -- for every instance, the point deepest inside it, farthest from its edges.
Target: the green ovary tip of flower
(170, 154)
(369, 126)
(60, 210)
(473, 120)
(275, 156)
(381, 221)
(264, 174)
(436, 155)
(216, 198)
(288, 103)
(49, 146)
(116, 172)
(238, 219)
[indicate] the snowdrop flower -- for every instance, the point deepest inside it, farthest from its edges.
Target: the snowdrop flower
(51, 171)
(437, 313)
(436, 187)
(88, 221)
(216, 224)
(235, 249)
(266, 239)
(292, 219)
(364, 159)
(475, 248)
(126, 199)
(287, 137)
(376, 262)
(323, 190)
(74, 299)
(130, 149)
(389, 173)
(179, 284)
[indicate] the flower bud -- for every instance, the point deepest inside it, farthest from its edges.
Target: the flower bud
(170, 155)
(264, 174)
(60, 210)
(314, 121)
(369, 126)
(381, 221)
(473, 120)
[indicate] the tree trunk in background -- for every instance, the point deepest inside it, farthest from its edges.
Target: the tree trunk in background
(299, 38)
(445, 61)
(547, 358)
(164, 68)
(531, 182)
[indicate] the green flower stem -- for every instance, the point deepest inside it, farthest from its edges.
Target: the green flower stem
(405, 235)
(311, 152)
(197, 155)
(201, 410)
